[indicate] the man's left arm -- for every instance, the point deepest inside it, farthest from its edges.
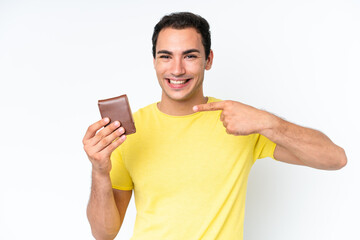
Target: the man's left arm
(294, 144)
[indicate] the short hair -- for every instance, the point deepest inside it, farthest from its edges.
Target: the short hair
(182, 20)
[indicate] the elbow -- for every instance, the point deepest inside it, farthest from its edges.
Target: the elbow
(100, 230)
(342, 159)
(104, 234)
(339, 160)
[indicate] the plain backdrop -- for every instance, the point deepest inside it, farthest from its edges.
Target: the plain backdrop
(297, 59)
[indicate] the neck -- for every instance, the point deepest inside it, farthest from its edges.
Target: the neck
(180, 107)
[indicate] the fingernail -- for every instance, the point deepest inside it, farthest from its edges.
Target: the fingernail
(116, 123)
(121, 130)
(195, 108)
(106, 120)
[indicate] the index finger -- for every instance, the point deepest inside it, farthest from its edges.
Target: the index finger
(91, 131)
(213, 106)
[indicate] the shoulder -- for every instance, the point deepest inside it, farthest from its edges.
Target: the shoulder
(144, 112)
(213, 99)
(144, 116)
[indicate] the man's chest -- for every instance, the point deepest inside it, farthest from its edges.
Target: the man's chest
(189, 161)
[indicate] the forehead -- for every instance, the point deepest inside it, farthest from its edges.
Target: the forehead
(179, 39)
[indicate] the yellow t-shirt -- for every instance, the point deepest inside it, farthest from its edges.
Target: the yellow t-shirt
(189, 176)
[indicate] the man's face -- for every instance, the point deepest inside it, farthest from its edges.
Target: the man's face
(180, 63)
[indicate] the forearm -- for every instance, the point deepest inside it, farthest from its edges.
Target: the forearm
(102, 212)
(311, 147)
(297, 145)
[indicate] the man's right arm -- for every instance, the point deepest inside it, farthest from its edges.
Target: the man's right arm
(107, 206)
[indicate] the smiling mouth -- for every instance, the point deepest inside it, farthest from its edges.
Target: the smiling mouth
(178, 82)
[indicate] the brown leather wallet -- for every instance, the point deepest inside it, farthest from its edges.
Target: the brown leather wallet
(118, 109)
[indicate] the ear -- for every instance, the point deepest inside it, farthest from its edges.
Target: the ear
(209, 60)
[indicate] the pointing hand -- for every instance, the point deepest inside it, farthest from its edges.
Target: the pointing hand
(238, 118)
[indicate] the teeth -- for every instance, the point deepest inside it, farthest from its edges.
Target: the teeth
(177, 81)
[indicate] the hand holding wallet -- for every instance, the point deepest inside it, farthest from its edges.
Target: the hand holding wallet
(118, 109)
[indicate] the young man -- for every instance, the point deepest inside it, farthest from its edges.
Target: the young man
(189, 161)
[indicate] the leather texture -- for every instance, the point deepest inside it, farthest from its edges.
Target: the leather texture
(118, 109)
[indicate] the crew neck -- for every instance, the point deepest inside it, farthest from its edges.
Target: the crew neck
(157, 110)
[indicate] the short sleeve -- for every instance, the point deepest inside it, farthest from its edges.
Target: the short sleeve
(263, 148)
(120, 177)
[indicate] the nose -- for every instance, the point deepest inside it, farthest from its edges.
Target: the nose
(178, 67)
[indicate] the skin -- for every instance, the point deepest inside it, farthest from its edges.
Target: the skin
(107, 206)
(180, 55)
(295, 144)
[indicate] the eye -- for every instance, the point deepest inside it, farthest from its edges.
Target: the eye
(190, 56)
(164, 56)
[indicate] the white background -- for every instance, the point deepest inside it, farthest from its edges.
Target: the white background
(297, 59)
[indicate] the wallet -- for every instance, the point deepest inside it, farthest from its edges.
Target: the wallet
(118, 109)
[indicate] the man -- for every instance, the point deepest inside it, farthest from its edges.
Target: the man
(189, 161)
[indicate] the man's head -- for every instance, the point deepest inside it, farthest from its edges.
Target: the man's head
(180, 57)
(182, 20)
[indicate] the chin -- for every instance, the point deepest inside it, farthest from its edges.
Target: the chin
(178, 98)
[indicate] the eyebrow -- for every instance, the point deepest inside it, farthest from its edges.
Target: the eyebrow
(185, 52)
(191, 51)
(164, 52)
